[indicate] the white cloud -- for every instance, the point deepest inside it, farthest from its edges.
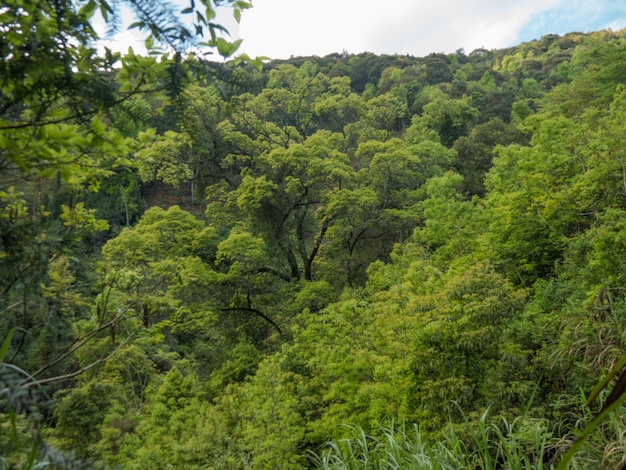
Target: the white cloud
(280, 28)
(302, 27)
(617, 23)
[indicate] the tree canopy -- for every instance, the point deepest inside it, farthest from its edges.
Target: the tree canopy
(216, 265)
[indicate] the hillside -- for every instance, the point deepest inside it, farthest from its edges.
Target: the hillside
(325, 262)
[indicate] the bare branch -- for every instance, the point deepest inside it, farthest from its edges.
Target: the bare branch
(256, 312)
(74, 347)
(308, 275)
(274, 272)
(82, 370)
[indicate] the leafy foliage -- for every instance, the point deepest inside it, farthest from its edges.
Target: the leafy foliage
(338, 242)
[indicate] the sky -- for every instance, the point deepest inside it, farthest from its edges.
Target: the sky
(280, 29)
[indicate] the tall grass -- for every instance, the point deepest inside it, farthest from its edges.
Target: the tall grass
(395, 447)
(520, 444)
(525, 443)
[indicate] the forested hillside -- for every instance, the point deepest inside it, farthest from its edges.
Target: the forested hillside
(326, 262)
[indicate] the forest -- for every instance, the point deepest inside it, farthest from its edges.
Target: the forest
(346, 262)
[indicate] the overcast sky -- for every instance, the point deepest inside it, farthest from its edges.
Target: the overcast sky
(283, 28)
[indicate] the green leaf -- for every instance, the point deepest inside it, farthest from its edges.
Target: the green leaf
(210, 13)
(5, 344)
(88, 9)
(617, 368)
(201, 20)
(225, 48)
(257, 62)
(580, 438)
(105, 9)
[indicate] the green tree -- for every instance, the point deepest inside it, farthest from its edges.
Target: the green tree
(266, 420)
(53, 124)
(597, 69)
(475, 152)
(450, 118)
(57, 99)
(452, 224)
(285, 202)
(339, 107)
(387, 113)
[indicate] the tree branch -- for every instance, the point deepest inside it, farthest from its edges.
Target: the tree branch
(74, 347)
(82, 115)
(82, 370)
(308, 275)
(256, 312)
(274, 272)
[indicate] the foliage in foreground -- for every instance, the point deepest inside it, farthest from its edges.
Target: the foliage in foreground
(524, 443)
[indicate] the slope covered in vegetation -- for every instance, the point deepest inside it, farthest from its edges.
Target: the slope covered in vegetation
(436, 242)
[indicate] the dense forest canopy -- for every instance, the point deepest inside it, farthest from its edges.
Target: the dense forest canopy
(308, 264)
